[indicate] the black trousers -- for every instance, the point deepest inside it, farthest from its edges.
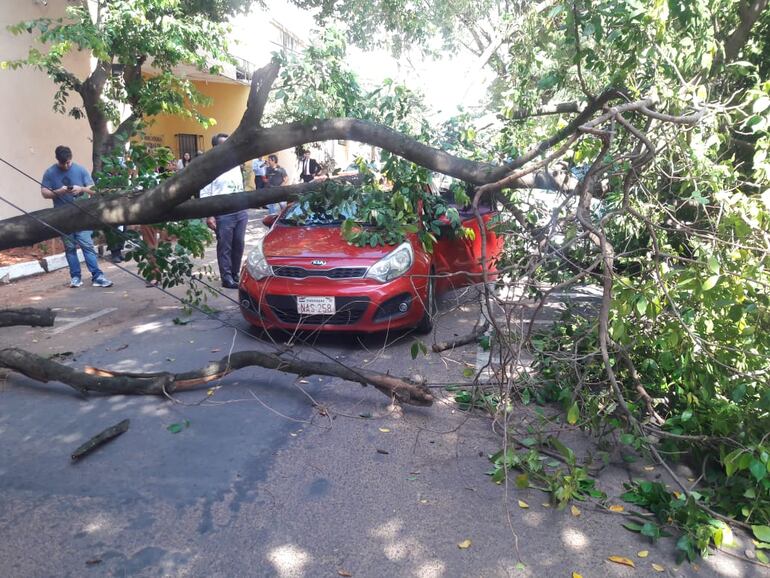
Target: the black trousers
(231, 233)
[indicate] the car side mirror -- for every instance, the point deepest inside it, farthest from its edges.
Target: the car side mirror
(268, 220)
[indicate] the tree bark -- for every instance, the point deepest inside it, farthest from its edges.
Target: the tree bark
(100, 439)
(27, 316)
(111, 382)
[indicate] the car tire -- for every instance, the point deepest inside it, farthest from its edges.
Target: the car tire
(426, 323)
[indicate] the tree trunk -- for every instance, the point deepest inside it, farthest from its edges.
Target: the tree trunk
(27, 316)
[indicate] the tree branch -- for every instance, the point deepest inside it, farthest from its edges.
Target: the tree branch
(109, 382)
(750, 11)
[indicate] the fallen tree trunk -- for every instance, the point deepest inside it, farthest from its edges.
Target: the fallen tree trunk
(27, 316)
(112, 382)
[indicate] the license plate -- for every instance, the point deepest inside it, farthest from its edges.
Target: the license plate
(316, 306)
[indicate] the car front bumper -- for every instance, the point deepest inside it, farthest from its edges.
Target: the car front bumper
(362, 305)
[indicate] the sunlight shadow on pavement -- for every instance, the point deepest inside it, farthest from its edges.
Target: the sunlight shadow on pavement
(289, 561)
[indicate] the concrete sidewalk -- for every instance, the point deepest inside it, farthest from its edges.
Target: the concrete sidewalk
(47, 264)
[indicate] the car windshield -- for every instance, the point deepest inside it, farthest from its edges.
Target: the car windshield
(305, 213)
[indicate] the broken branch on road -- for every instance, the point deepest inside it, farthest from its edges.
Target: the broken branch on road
(113, 383)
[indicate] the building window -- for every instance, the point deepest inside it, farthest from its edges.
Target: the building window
(188, 143)
(286, 39)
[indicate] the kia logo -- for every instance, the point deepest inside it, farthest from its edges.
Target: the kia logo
(318, 262)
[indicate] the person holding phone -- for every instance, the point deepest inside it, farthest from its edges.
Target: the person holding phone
(64, 182)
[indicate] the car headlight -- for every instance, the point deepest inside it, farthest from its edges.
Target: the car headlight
(256, 264)
(394, 264)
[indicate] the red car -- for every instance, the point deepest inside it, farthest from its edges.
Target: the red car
(309, 277)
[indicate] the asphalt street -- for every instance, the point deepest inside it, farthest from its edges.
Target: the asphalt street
(271, 475)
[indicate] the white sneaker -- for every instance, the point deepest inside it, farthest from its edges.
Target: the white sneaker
(76, 282)
(100, 281)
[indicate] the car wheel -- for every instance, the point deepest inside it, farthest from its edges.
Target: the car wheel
(426, 323)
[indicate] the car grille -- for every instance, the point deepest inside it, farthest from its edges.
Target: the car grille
(302, 273)
(349, 311)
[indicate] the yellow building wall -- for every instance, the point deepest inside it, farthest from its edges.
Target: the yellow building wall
(31, 129)
(228, 103)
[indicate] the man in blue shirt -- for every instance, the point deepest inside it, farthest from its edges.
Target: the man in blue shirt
(63, 183)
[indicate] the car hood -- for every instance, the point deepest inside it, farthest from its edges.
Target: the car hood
(288, 242)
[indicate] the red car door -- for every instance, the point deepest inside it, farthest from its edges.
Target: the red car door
(460, 257)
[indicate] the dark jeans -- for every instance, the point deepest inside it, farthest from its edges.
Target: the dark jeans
(115, 239)
(231, 232)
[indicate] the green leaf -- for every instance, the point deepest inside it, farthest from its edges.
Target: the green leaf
(650, 530)
(568, 454)
(760, 104)
(415, 350)
(762, 557)
(713, 264)
(758, 469)
(709, 283)
(573, 414)
(175, 428)
(469, 372)
(484, 342)
(633, 526)
(641, 305)
(761, 533)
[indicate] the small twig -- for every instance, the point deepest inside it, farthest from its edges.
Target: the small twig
(463, 340)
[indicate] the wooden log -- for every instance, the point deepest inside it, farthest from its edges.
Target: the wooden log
(27, 316)
(101, 439)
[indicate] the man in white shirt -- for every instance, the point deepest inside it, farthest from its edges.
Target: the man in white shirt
(230, 228)
(259, 167)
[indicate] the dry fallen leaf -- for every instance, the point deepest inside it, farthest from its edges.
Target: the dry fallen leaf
(658, 567)
(523, 504)
(464, 545)
(576, 575)
(423, 501)
(344, 573)
(622, 560)
(384, 430)
(643, 553)
(649, 468)
(546, 504)
(616, 508)
(304, 381)
(575, 511)
(215, 350)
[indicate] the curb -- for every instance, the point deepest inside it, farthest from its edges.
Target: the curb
(45, 265)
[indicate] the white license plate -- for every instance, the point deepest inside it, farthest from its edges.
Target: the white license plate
(316, 306)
